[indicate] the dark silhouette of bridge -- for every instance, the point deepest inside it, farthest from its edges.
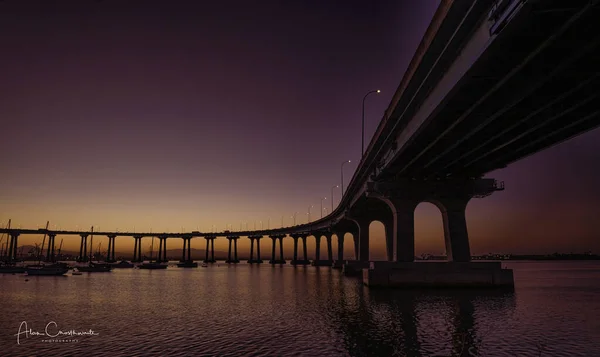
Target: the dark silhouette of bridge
(491, 82)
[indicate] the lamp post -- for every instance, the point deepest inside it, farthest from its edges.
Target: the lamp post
(336, 186)
(325, 209)
(323, 198)
(294, 217)
(362, 152)
(345, 162)
(308, 213)
(268, 222)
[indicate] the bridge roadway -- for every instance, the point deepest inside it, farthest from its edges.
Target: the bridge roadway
(491, 82)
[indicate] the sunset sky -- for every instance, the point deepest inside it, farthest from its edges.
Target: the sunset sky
(199, 113)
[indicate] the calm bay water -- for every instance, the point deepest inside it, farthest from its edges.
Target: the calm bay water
(248, 310)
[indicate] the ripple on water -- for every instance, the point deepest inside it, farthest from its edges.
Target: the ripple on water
(286, 311)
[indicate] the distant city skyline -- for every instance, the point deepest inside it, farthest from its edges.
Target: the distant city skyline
(126, 117)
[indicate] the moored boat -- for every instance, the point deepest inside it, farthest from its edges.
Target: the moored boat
(152, 265)
(187, 264)
(122, 264)
(48, 270)
(11, 269)
(95, 268)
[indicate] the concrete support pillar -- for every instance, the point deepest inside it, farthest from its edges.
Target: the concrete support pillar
(403, 227)
(108, 250)
(160, 246)
(83, 248)
(164, 259)
(229, 252)
(189, 249)
(281, 248)
(318, 246)
(363, 240)
(183, 250)
(389, 239)
(340, 255)
(140, 257)
(304, 248)
(114, 257)
(207, 249)
(455, 230)
(295, 238)
(329, 247)
(50, 250)
(251, 248)
(11, 247)
(235, 255)
(273, 251)
(212, 249)
(258, 249)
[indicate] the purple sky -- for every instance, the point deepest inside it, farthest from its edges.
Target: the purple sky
(193, 114)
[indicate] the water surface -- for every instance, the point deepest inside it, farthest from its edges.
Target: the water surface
(249, 310)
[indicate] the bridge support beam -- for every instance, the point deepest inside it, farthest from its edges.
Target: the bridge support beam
(12, 248)
(317, 261)
(110, 252)
(210, 249)
(137, 249)
(256, 239)
(50, 249)
(339, 262)
(274, 260)
(232, 241)
(83, 257)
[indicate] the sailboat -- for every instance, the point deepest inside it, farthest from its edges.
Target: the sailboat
(94, 267)
(151, 264)
(8, 267)
(45, 270)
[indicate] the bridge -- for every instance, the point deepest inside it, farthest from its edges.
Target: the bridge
(491, 82)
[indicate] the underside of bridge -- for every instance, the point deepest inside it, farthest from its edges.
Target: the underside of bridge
(536, 85)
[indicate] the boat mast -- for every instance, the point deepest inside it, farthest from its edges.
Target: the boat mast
(60, 246)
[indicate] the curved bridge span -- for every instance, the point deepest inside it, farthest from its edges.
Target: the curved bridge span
(491, 82)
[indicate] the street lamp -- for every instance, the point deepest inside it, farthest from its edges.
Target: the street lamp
(294, 217)
(324, 198)
(336, 186)
(325, 209)
(345, 162)
(308, 213)
(363, 120)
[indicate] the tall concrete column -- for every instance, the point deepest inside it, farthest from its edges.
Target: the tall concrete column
(251, 248)
(258, 249)
(389, 239)
(212, 249)
(165, 250)
(235, 255)
(13, 254)
(83, 248)
(183, 250)
(403, 212)
(281, 248)
(114, 257)
(304, 248)
(295, 238)
(340, 255)
(159, 255)
(273, 251)
(455, 230)
(141, 259)
(11, 247)
(329, 248)
(318, 246)
(189, 249)
(207, 249)
(108, 250)
(363, 240)
(229, 252)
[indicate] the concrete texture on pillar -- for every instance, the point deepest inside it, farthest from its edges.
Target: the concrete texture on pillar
(253, 239)
(232, 259)
(339, 262)
(187, 262)
(274, 260)
(209, 256)
(318, 262)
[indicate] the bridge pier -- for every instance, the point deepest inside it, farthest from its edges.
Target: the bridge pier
(187, 262)
(281, 260)
(234, 259)
(12, 249)
(451, 197)
(210, 246)
(137, 249)
(317, 261)
(83, 257)
(339, 262)
(50, 250)
(252, 240)
(110, 253)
